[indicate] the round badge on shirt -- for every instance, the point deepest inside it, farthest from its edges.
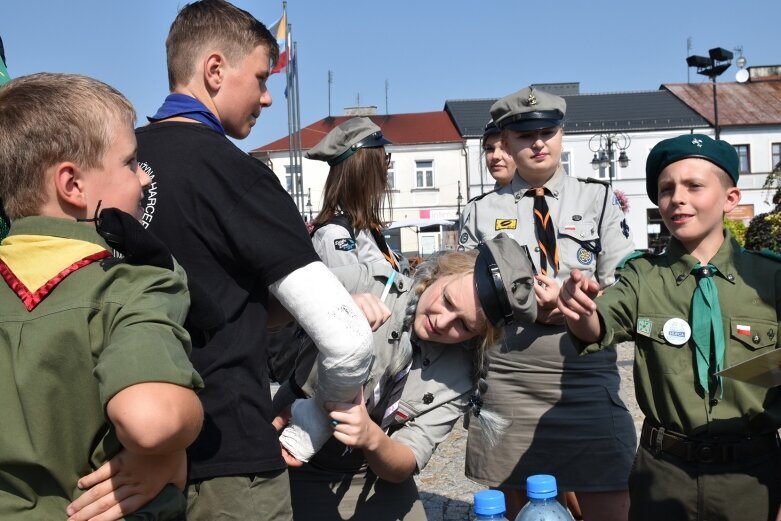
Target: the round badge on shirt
(677, 331)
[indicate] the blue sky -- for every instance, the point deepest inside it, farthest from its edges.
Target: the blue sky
(429, 51)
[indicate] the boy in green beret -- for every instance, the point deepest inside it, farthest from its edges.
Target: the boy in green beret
(709, 446)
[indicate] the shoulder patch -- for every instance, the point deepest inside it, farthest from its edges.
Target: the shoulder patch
(633, 255)
(480, 196)
(344, 244)
(593, 180)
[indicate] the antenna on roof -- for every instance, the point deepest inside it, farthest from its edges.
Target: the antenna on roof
(386, 96)
(688, 53)
(330, 81)
(742, 75)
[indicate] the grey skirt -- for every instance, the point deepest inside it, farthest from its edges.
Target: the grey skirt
(567, 417)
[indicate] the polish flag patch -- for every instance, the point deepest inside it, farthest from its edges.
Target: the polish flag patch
(744, 330)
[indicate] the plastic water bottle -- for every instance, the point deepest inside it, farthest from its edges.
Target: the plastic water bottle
(489, 504)
(542, 505)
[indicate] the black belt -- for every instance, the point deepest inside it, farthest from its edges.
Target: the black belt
(659, 440)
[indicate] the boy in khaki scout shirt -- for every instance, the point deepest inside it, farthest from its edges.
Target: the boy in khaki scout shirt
(93, 355)
(709, 445)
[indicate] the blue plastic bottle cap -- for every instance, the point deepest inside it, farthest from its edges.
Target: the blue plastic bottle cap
(541, 486)
(489, 502)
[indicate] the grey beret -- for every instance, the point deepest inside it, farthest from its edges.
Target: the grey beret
(529, 109)
(345, 139)
(504, 278)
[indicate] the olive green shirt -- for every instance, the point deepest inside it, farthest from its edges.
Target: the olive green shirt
(654, 289)
(104, 327)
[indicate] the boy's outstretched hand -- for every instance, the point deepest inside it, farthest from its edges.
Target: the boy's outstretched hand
(576, 298)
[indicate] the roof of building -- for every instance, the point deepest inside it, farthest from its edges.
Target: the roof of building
(750, 103)
(400, 129)
(587, 113)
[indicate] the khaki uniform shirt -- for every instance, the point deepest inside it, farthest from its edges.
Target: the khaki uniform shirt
(654, 289)
(575, 206)
(335, 247)
(104, 327)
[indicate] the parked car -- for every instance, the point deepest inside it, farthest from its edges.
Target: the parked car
(403, 263)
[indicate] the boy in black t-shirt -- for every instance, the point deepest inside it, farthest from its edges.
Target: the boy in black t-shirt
(238, 234)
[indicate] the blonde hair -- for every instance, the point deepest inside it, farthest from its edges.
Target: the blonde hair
(217, 25)
(442, 265)
(48, 118)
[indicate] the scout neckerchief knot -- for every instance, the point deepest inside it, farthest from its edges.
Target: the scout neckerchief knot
(707, 328)
(187, 107)
(546, 235)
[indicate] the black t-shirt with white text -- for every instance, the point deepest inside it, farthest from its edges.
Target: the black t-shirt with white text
(235, 230)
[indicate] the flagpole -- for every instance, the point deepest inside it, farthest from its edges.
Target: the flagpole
(299, 151)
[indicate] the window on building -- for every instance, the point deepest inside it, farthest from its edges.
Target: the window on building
(392, 175)
(565, 163)
(289, 178)
(744, 156)
(424, 174)
(775, 159)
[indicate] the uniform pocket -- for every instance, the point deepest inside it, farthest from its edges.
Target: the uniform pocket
(579, 245)
(660, 355)
(750, 337)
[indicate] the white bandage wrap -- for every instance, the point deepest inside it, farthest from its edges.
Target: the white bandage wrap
(325, 310)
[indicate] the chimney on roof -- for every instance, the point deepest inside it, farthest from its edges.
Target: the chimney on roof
(370, 110)
(765, 73)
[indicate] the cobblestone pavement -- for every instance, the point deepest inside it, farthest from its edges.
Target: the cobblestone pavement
(447, 493)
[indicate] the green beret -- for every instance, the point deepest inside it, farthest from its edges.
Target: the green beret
(504, 279)
(666, 152)
(529, 109)
(345, 139)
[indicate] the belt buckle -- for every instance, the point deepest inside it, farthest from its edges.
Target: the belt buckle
(705, 453)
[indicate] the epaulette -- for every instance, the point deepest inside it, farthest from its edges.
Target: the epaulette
(478, 197)
(767, 253)
(592, 180)
(633, 255)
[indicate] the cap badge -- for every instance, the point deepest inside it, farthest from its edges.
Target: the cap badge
(530, 100)
(697, 142)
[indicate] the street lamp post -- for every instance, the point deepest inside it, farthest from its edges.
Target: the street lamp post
(717, 61)
(309, 202)
(459, 199)
(604, 147)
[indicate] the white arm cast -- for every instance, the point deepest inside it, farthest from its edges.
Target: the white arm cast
(325, 310)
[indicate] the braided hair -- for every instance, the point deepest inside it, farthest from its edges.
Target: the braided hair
(441, 265)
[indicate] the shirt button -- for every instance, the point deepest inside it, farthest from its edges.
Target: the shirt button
(771, 333)
(394, 334)
(426, 361)
(714, 402)
(756, 339)
(730, 277)
(536, 248)
(428, 398)
(401, 284)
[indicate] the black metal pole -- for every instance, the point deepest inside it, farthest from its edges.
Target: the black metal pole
(610, 159)
(715, 108)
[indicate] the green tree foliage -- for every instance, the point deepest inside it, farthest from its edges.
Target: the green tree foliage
(764, 231)
(737, 229)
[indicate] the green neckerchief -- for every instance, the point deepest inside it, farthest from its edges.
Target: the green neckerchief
(707, 327)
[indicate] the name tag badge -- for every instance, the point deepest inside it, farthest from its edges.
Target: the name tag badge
(677, 331)
(506, 224)
(344, 244)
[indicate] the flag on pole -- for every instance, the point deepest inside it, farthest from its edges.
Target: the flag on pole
(4, 76)
(279, 30)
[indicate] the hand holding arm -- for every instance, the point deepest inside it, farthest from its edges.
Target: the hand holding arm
(388, 459)
(375, 310)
